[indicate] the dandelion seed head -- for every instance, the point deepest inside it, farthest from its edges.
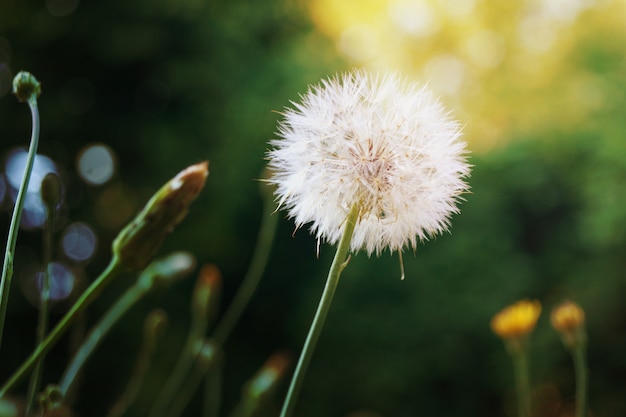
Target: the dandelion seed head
(377, 141)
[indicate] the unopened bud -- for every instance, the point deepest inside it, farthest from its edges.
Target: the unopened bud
(268, 377)
(569, 320)
(166, 270)
(154, 324)
(25, 86)
(140, 240)
(515, 322)
(51, 191)
(206, 290)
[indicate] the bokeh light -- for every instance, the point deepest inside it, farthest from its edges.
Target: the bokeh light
(62, 282)
(96, 164)
(34, 214)
(79, 242)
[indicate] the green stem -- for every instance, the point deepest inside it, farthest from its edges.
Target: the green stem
(339, 263)
(7, 267)
(112, 270)
(42, 327)
(204, 361)
(182, 367)
(580, 367)
(522, 385)
(253, 275)
(99, 332)
(213, 389)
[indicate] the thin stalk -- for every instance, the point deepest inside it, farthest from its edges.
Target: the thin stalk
(42, 327)
(7, 267)
(99, 332)
(253, 276)
(185, 362)
(522, 385)
(213, 389)
(204, 360)
(580, 367)
(113, 269)
(154, 324)
(339, 263)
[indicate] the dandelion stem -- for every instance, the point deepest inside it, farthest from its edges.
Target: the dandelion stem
(7, 267)
(339, 263)
(522, 385)
(580, 366)
(113, 269)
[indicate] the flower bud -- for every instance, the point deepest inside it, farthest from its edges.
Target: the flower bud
(140, 240)
(26, 86)
(207, 287)
(168, 269)
(268, 377)
(51, 191)
(569, 320)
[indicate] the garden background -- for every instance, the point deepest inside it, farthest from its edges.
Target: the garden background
(540, 88)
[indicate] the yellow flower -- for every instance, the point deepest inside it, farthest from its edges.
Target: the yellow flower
(516, 320)
(569, 320)
(567, 317)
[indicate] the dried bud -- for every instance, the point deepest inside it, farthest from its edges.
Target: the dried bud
(268, 377)
(569, 320)
(154, 324)
(516, 321)
(25, 86)
(140, 240)
(51, 191)
(207, 287)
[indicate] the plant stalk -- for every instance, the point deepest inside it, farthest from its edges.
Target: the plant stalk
(339, 263)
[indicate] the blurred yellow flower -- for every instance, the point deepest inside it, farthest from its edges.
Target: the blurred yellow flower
(516, 320)
(567, 317)
(569, 320)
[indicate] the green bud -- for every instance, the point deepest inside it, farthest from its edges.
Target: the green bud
(167, 270)
(26, 86)
(51, 191)
(139, 241)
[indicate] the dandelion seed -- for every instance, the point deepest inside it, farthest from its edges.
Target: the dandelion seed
(380, 142)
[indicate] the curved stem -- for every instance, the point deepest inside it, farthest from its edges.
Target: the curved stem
(112, 270)
(42, 327)
(339, 263)
(7, 267)
(253, 276)
(98, 333)
(580, 366)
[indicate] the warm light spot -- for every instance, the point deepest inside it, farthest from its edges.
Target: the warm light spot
(485, 48)
(416, 18)
(445, 73)
(359, 42)
(79, 242)
(516, 320)
(96, 164)
(537, 34)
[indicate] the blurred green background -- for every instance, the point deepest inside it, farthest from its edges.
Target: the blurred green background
(539, 86)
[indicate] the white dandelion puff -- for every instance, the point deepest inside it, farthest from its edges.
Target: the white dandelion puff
(379, 142)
